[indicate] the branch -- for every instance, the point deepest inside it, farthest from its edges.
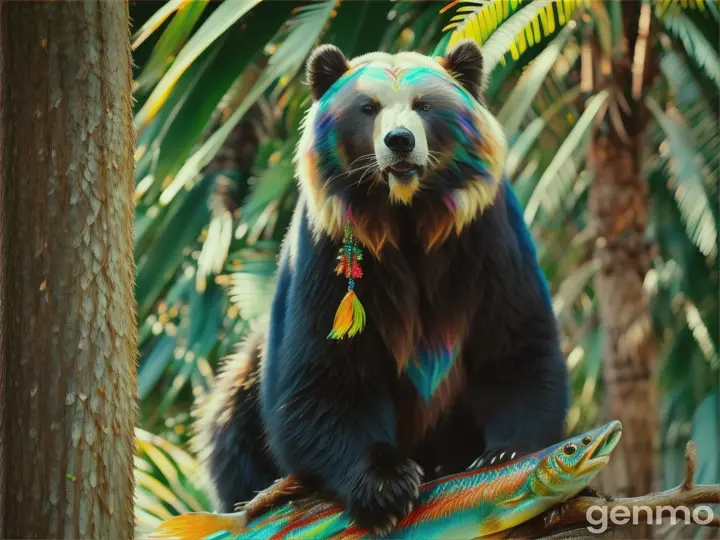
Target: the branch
(573, 514)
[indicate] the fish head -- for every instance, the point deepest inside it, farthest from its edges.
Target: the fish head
(571, 465)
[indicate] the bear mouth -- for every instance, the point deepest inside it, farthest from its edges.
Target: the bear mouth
(404, 170)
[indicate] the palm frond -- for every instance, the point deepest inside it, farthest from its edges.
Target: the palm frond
(522, 96)
(170, 42)
(554, 181)
(290, 55)
(252, 288)
(167, 483)
(571, 287)
(502, 26)
(224, 16)
(154, 22)
(698, 47)
(701, 333)
(528, 136)
(689, 192)
(666, 5)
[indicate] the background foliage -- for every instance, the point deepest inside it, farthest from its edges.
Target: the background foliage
(220, 95)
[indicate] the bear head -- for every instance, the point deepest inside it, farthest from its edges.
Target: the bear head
(387, 130)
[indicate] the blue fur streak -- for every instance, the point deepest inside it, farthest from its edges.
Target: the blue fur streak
(429, 368)
(526, 245)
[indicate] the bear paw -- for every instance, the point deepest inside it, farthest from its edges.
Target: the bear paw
(385, 492)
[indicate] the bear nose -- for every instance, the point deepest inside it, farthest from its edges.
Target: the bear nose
(400, 140)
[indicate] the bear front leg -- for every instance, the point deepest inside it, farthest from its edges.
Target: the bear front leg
(336, 431)
(520, 402)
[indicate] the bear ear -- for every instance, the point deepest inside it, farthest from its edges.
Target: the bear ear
(325, 66)
(465, 64)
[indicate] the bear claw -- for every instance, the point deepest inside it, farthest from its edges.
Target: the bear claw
(495, 457)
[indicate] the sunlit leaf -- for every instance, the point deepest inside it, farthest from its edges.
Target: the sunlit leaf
(690, 191)
(573, 285)
(154, 22)
(520, 28)
(169, 43)
(224, 16)
(551, 186)
(527, 137)
(704, 53)
(306, 28)
(521, 98)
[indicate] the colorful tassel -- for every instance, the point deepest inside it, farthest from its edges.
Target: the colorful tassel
(349, 317)
(350, 314)
(201, 525)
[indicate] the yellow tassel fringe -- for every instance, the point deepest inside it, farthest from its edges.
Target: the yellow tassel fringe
(349, 317)
(199, 525)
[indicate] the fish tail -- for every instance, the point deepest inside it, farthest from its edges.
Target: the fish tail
(198, 525)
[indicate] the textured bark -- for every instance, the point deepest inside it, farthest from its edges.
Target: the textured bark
(618, 205)
(68, 303)
(2, 288)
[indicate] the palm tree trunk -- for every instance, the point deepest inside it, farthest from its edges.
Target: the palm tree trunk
(68, 308)
(618, 204)
(618, 207)
(2, 288)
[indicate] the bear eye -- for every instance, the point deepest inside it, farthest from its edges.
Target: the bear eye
(586, 440)
(569, 449)
(369, 109)
(425, 107)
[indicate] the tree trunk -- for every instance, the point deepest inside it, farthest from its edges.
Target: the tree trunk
(68, 305)
(618, 204)
(2, 289)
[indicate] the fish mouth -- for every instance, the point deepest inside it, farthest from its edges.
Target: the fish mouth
(599, 452)
(404, 170)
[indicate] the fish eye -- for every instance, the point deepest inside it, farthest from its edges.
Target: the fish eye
(586, 440)
(569, 449)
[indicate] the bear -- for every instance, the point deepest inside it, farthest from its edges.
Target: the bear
(412, 328)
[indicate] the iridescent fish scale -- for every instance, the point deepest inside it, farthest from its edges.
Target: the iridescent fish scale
(467, 505)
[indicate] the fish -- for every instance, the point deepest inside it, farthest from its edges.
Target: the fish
(478, 502)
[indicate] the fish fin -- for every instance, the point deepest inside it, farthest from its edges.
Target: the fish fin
(514, 501)
(198, 525)
(496, 524)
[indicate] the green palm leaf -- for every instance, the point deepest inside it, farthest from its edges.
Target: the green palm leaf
(219, 21)
(555, 182)
(154, 22)
(690, 192)
(573, 285)
(528, 136)
(701, 333)
(704, 53)
(290, 55)
(500, 27)
(522, 96)
(167, 483)
(253, 287)
(169, 44)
